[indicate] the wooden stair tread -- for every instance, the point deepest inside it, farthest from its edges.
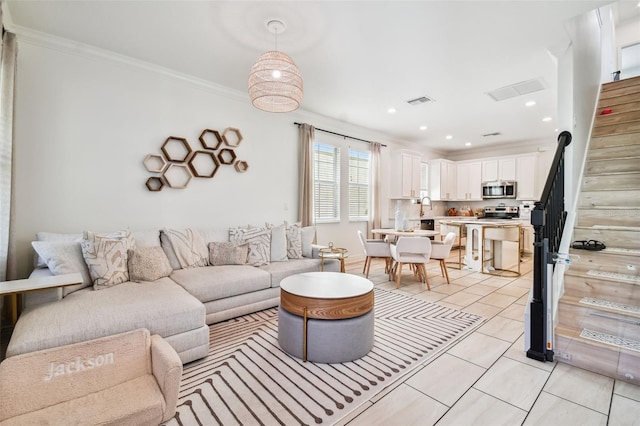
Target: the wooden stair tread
(576, 334)
(607, 207)
(607, 278)
(620, 83)
(609, 228)
(599, 304)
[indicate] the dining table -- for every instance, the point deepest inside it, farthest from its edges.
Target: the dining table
(408, 233)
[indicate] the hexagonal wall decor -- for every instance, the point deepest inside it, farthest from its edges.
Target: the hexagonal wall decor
(227, 156)
(155, 183)
(232, 136)
(210, 139)
(176, 149)
(204, 164)
(154, 163)
(178, 163)
(241, 166)
(177, 175)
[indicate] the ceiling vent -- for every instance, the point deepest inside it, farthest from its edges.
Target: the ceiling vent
(421, 100)
(491, 134)
(517, 89)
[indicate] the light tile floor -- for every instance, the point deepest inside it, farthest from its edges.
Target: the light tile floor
(486, 378)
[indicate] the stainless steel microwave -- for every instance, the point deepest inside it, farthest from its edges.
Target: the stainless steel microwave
(499, 189)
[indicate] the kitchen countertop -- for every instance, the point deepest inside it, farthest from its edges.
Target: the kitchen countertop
(475, 221)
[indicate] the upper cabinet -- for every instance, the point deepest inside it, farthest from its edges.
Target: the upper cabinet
(499, 169)
(410, 185)
(405, 176)
(442, 180)
(526, 177)
(468, 181)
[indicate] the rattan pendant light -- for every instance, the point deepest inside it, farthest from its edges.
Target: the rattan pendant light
(275, 83)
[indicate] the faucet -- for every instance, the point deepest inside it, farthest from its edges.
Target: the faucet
(422, 204)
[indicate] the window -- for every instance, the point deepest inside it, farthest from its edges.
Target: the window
(358, 185)
(326, 182)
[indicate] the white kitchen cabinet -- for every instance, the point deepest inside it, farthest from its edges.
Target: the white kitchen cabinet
(499, 169)
(405, 174)
(410, 186)
(442, 180)
(468, 181)
(526, 178)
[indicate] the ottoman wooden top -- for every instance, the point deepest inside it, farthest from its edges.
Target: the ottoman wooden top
(326, 285)
(326, 295)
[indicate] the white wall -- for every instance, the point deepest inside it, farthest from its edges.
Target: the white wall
(584, 67)
(85, 119)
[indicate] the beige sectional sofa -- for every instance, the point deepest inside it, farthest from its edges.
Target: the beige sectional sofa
(177, 307)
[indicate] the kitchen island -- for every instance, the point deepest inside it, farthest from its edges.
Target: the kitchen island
(493, 246)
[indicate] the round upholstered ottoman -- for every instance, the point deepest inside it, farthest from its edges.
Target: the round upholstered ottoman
(326, 317)
(328, 341)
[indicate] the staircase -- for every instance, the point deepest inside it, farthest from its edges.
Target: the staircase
(599, 315)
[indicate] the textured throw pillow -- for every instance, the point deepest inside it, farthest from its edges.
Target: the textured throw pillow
(189, 247)
(228, 253)
(294, 241)
(308, 236)
(148, 264)
(106, 257)
(278, 243)
(64, 258)
(259, 240)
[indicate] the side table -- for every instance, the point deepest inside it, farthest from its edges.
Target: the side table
(333, 253)
(13, 288)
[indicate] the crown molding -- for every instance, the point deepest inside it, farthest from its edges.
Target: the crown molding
(49, 41)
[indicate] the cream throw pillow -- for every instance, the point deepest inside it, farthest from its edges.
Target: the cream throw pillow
(278, 243)
(190, 248)
(228, 253)
(148, 264)
(106, 257)
(308, 235)
(259, 240)
(294, 241)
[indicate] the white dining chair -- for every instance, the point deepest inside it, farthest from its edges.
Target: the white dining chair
(413, 251)
(374, 249)
(440, 251)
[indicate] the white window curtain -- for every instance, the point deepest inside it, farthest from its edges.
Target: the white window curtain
(375, 217)
(7, 77)
(305, 197)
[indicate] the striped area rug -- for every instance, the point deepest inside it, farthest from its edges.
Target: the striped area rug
(248, 379)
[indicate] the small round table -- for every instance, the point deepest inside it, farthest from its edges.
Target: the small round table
(333, 253)
(326, 316)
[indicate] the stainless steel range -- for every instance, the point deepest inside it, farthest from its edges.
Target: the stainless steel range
(501, 212)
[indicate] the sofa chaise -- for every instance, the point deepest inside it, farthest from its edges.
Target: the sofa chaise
(172, 282)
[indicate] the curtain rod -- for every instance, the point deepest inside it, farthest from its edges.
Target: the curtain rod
(340, 134)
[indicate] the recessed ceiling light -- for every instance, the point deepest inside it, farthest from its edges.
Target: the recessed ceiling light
(546, 119)
(448, 137)
(391, 110)
(530, 103)
(467, 144)
(423, 127)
